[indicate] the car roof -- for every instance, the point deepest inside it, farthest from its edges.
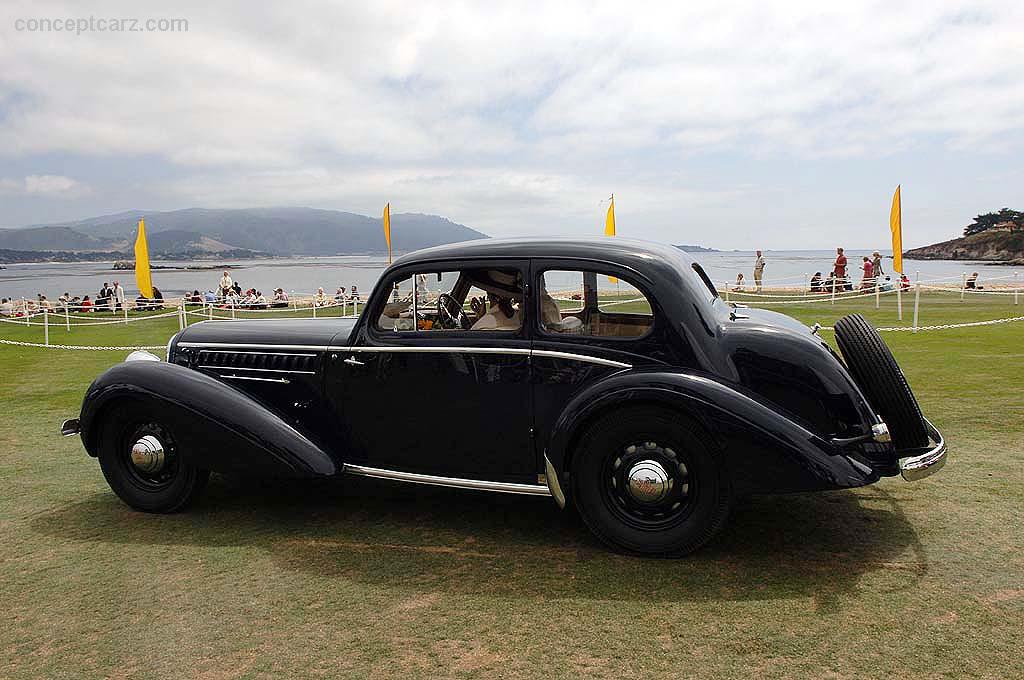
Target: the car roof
(636, 254)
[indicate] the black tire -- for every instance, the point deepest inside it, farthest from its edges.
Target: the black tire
(172, 487)
(879, 376)
(696, 506)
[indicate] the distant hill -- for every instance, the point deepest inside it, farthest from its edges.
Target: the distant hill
(1001, 244)
(264, 231)
(696, 249)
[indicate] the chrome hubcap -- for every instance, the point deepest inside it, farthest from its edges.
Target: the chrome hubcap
(648, 482)
(148, 454)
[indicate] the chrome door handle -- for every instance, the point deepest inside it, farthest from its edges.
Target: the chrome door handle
(352, 361)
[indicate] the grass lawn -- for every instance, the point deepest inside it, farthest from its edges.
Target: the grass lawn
(366, 578)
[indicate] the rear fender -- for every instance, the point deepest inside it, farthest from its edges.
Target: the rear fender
(765, 451)
(218, 427)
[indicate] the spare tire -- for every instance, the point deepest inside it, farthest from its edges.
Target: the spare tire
(879, 376)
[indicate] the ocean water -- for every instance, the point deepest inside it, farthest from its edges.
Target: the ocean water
(302, 276)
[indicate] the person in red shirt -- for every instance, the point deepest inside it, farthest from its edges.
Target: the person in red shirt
(840, 271)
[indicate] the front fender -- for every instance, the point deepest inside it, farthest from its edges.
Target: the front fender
(218, 427)
(765, 451)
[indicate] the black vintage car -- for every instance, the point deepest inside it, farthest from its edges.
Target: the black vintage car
(606, 373)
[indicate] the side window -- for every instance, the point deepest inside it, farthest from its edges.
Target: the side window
(594, 304)
(462, 300)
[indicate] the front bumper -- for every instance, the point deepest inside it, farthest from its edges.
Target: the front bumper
(925, 462)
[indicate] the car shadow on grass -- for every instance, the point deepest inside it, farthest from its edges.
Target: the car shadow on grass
(431, 539)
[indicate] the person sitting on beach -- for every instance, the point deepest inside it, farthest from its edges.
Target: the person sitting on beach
(280, 298)
(44, 303)
(6, 308)
(86, 305)
(739, 283)
(210, 297)
(972, 282)
(233, 298)
(339, 296)
(320, 300)
(259, 301)
(75, 304)
(158, 298)
(355, 293)
(904, 282)
(886, 285)
(816, 283)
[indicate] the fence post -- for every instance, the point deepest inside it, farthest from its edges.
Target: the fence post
(67, 318)
(24, 311)
(1015, 289)
(835, 280)
(314, 307)
(46, 326)
(209, 311)
(355, 307)
(181, 315)
(878, 297)
(232, 309)
(807, 282)
(124, 307)
(899, 297)
(917, 297)
(963, 285)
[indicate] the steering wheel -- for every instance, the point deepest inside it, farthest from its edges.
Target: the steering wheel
(449, 311)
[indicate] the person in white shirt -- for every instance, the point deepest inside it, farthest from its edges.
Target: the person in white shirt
(117, 298)
(6, 308)
(226, 284)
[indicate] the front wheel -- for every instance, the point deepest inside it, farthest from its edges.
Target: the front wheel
(648, 481)
(141, 461)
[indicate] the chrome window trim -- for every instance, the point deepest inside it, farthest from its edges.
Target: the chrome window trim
(456, 482)
(442, 349)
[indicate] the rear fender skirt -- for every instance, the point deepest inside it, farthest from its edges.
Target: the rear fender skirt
(765, 451)
(218, 427)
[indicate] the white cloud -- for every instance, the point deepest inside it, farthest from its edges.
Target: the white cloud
(44, 186)
(546, 104)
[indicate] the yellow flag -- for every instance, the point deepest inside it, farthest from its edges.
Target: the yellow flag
(609, 227)
(387, 228)
(896, 225)
(609, 220)
(142, 276)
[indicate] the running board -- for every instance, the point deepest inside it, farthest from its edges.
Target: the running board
(456, 482)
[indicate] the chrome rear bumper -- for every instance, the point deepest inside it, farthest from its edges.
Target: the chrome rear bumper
(928, 463)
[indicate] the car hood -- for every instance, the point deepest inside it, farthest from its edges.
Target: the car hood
(308, 332)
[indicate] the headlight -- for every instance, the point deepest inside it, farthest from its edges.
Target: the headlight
(169, 343)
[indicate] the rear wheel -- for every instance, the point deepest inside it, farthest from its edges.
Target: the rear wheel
(873, 367)
(646, 481)
(141, 461)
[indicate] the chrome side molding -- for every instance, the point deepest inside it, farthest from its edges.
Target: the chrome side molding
(456, 482)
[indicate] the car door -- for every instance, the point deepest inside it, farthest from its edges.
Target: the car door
(415, 398)
(590, 320)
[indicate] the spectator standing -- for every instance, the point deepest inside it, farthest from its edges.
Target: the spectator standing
(117, 297)
(839, 269)
(758, 270)
(226, 284)
(876, 264)
(867, 281)
(103, 298)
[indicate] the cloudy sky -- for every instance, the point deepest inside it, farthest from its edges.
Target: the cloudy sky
(735, 125)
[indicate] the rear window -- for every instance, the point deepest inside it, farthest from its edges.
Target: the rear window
(594, 304)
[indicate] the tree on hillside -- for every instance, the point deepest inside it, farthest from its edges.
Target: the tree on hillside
(988, 220)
